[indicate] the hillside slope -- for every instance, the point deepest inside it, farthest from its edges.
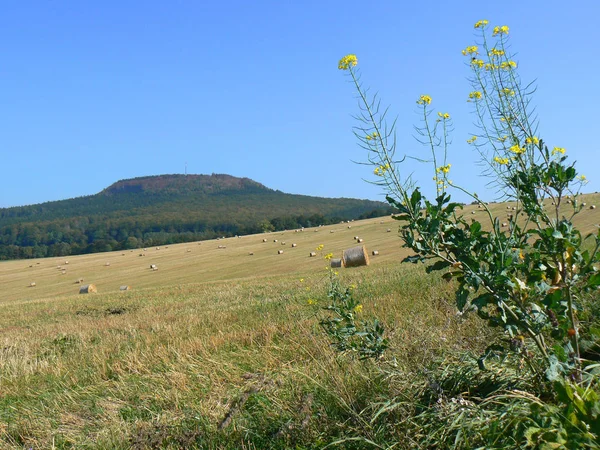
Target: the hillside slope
(165, 209)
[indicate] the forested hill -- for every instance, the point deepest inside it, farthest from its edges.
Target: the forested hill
(166, 209)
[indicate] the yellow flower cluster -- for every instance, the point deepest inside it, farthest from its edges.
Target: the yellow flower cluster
(490, 66)
(473, 139)
(381, 170)
(507, 65)
(372, 136)
(358, 308)
(508, 91)
(477, 62)
(311, 301)
(347, 61)
(517, 149)
(583, 178)
(424, 100)
(532, 140)
(500, 30)
(501, 161)
(475, 95)
(319, 247)
(470, 50)
(328, 256)
(481, 24)
(443, 169)
(503, 138)
(557, 150)
(495, 52)
(444, 115)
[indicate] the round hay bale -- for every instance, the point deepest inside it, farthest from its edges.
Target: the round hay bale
(279, 252)
(349, 226)
(79, 281)
(360, 241)
(504, 224)
(274, 240)
(107, 264)
(124, 288)
(514, 208)
(584, 204)
(389, 230)
(331, 231)
(66, 262)
(356, 238)
(593, 207)
(355, 256)
(375, 253)
(153, 266)
(294, 245)
(312, 254)
(336, 262)
(189, 250)
(88, 289)
(250, 253)
(283, 243)
(264, 240)
(472, 212)
(32, 284)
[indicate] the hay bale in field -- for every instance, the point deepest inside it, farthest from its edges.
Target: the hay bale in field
(472, 212)
(63, 272)
(153, 266)
(336, 262)
(349, 226)
(32, 284)
(504, 224)
(107, 264)
(221, 246)
(274, 240)
(583, 204)
(514, 208)
(265, 240)
(88, 289)
(356, 238)
(250, 253)
(66, 262)
(189, 250)
(279, 252)
(331, 231)
(157, 248)
(294, 245)
(283, 243)
(355, 256)
(593, 207)
(312, 254)
(360, 241)
(124, 288)
(375, 253)
(389, 230)
(79, 281)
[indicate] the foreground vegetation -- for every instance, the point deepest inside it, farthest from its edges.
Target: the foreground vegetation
(217, 365)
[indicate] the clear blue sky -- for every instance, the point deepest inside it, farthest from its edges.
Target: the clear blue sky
(94, 92)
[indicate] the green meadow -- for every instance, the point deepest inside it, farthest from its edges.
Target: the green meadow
(220, 347)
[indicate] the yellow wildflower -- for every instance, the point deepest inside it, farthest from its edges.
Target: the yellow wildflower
(495, 52)
(507, 65)
(443, 169)
(444, 115)
(532, 140)
(517, 149)
(311, 301)
(301, 280)
(470, 50)
(560, 150)
(481, 24)
(347, 61)
(320, 247)
(473, 139)
(508, 91)
(358, 308)
(424, 100)
(500, 30)
(475, 95)
(490, 66)
(503, 138)
(477, 62)
(328, 256)
(582, 178)
(501, 161)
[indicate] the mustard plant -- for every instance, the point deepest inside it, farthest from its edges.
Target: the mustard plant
(528, 275)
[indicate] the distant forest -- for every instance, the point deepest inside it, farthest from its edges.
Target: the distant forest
(166, 210)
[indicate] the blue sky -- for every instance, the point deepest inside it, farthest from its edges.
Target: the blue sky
(95, 92)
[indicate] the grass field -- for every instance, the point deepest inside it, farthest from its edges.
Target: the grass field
(218, 348)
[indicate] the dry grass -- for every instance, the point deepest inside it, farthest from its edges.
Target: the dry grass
(216, 349)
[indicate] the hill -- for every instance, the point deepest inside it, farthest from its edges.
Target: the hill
(166, 209)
